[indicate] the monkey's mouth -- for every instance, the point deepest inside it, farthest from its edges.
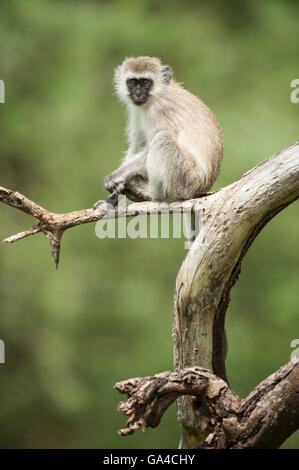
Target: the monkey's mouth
(139, 99)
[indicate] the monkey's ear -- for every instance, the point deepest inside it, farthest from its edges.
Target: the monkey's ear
(166, 74)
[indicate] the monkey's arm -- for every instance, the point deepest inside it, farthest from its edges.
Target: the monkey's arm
(130, 179)
(131, 167)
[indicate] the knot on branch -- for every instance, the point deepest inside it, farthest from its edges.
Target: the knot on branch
(264, 419)
(149, 397)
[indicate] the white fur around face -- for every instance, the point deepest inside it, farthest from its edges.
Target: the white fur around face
(121, 77)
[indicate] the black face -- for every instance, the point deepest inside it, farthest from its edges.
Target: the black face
(139, 89)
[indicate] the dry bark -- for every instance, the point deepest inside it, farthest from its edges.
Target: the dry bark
(54, 225)
(230, 221)
(263, 420)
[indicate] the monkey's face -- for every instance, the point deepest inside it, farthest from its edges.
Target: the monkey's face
(139, 89)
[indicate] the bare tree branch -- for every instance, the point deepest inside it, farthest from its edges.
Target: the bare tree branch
(24, 234)
(231, 220)
(53, 225)
(262, 420)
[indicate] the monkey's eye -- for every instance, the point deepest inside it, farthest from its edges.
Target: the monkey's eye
(132, 81)
(146, 82)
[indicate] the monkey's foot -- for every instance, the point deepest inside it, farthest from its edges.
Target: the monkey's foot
(111, 200)
(99, 204)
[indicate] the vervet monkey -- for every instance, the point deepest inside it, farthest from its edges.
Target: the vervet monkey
(175, 141)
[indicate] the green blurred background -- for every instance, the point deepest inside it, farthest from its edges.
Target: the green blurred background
(106, 315)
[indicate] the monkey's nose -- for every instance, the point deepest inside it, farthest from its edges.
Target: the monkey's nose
(138, 91)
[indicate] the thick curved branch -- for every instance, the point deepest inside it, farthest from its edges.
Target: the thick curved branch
(262, 420)
(230, 221)
(268, 415)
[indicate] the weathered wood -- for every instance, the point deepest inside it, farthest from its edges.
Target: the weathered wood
(53, 225)
(230, 220)
(262, 420)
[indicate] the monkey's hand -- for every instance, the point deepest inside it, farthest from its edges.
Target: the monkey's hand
(114, 182)
(131, 184)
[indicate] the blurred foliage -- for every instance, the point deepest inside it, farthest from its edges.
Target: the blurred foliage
(106, 315)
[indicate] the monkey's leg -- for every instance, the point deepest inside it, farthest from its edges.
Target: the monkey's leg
(172, 174)
(130, 179)
(137, 189)
(135, 164)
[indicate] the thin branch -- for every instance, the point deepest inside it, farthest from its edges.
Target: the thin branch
(21, 202)
(53, 225)
(19, 236)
